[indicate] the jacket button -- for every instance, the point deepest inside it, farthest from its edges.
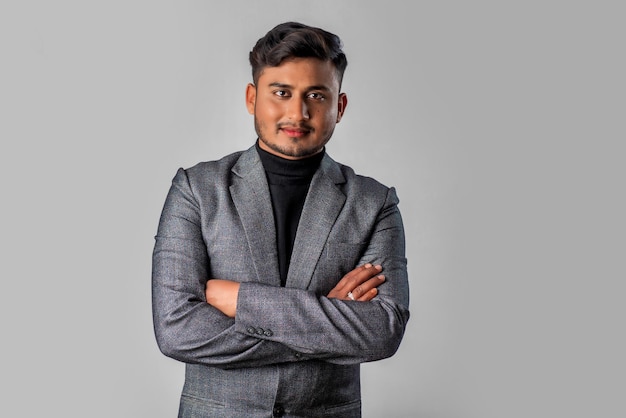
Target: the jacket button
(268, 333)
(278, 411)
(251, 330)
(260, 331)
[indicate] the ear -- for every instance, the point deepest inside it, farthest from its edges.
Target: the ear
(250, 97)
(342, 103)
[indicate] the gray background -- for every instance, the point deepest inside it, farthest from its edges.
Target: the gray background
(500, 123)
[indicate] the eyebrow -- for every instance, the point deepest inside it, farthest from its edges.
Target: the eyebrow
(288, 86)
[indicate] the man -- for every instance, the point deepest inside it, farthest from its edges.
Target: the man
(276, 270)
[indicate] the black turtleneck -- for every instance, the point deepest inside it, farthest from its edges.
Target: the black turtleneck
(289, 182)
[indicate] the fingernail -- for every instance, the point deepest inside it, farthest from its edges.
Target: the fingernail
(381, 277)
(379, 267)
(367, 265)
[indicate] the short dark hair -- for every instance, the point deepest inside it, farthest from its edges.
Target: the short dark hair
(296, 40)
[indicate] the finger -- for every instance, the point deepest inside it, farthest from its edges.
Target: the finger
(369, 295)
(370, 284)
(351, 274)
(353, 279)
(358, 276)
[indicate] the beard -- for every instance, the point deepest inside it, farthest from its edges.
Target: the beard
(294, 151)
(297, 149)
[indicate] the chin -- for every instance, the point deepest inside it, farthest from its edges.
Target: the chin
(299, 152)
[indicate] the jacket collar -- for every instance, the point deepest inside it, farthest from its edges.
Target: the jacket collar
(324, 201)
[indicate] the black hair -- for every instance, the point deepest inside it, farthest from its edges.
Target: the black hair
(296, 40)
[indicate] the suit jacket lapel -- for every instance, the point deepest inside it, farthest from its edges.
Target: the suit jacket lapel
(250, 194)
(321, 208)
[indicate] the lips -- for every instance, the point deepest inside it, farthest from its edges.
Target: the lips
(294, 132)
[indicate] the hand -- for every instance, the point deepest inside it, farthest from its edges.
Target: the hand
(222, 295)
(362, 282)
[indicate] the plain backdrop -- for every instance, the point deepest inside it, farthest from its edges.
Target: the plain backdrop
(500, 123)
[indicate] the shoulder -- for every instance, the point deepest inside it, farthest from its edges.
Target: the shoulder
(219, 172)
(357, 185)
(208, 178)
(212, 168)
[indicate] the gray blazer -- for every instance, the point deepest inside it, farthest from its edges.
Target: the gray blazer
(290, 351)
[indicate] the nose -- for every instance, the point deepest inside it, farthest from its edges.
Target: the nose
(298, 109)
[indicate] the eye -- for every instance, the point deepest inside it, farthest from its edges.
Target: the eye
(281, 93)
(316, 96)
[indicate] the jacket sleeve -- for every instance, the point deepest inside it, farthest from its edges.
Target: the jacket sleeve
(186, 327)
(338, 331)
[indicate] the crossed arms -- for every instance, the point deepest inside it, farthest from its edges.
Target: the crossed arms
(247, 323)
(361, 283)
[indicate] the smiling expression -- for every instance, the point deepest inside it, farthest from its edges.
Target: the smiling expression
(296, 106)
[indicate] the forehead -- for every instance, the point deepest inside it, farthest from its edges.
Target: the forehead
(301, 73)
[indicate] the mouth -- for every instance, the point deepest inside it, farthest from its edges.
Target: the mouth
(294, 132)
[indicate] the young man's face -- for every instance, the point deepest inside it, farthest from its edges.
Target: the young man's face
(296, 107)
